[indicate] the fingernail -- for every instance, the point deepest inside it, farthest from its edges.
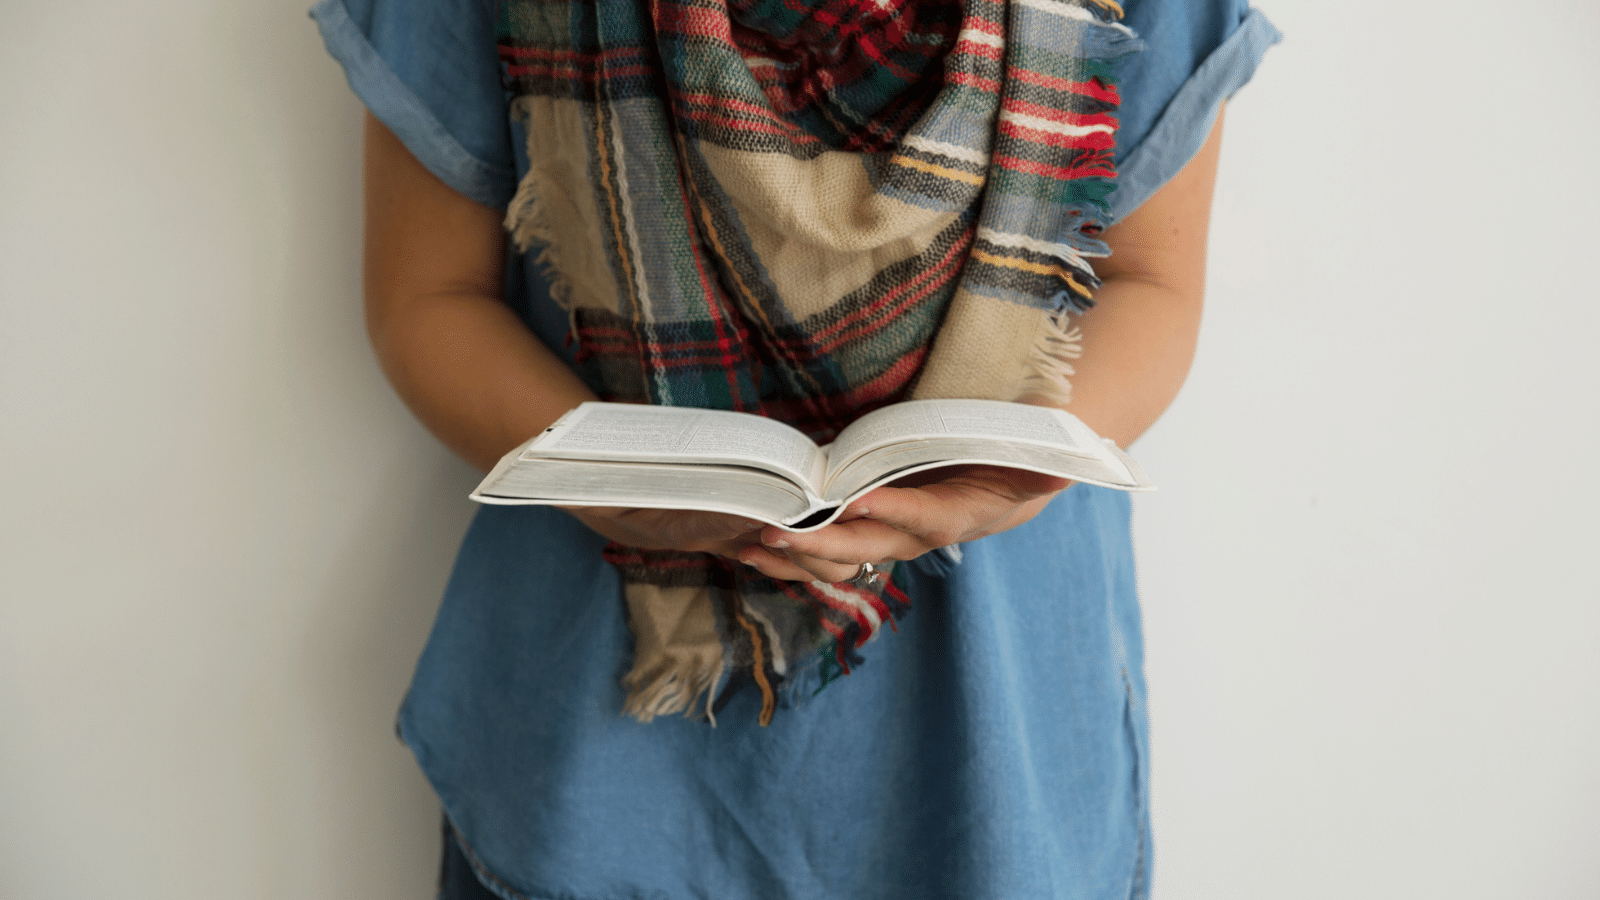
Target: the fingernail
(753, 526)
(859, 510)
(780, 543)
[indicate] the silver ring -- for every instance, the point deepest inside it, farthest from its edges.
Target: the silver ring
(867, 576)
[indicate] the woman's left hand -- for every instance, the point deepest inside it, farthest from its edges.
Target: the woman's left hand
(947, 506)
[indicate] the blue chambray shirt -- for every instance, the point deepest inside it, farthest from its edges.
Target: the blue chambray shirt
(995, 747)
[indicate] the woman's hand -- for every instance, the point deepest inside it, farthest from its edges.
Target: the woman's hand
(464, 363)
(1138, 341)
(945, 506)
(672, 529)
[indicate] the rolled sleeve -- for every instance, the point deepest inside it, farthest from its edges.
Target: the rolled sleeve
(429, 72)
(1199, 55)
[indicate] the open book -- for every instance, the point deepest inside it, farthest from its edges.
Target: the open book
(663, 457)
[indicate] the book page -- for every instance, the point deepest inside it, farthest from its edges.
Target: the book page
(892, 461)
(574, 482)
(992, 419)
(636, 432)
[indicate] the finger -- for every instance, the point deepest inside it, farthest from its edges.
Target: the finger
(796, 567)
(773, 565)
(599, 512)
(976, 503)
(1019, 484)
(846, 544)
(825, 569)
(851, 513)
(711, 525)
(668, 529)
(719, 526)
(1015, 484)
(905, 523)
(932, 516)
(1038, 483)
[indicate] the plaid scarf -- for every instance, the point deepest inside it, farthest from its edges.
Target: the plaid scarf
(806, 209)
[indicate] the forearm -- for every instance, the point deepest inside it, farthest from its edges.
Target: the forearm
(459, 358)
(473, 374)
(1139, 338)
(1138, 342)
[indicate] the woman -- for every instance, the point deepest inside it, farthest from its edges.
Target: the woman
(995, 745)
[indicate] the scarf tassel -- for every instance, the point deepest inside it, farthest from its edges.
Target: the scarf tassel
(1050, 379)
(528, 222)
(668, 690)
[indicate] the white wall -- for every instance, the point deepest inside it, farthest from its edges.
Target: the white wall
(1374, 635)
(1371, 596)
(223, 538)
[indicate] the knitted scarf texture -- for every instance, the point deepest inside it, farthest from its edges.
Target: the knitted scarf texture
(806, 209)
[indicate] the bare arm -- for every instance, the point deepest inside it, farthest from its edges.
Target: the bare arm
(458, 356)
(1139, 338)
(474, 376)
(1138, 343)
(434, 270)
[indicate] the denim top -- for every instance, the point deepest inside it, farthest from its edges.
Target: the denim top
(993, 747)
